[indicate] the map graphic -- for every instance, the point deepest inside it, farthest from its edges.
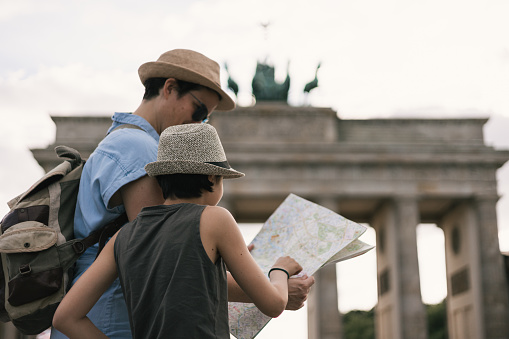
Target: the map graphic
(311, 234)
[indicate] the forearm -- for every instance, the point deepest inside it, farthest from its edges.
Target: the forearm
(279, 280)
(235, 292)
(81, 328)
(71, 315)
(274, 305)
(298, 289)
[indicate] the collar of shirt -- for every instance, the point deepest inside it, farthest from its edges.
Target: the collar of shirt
(129, 118)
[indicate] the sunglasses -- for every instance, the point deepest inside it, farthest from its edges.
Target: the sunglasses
(201, 113)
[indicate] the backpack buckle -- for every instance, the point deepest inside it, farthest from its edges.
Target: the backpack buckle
(25, 269)
(78, 247)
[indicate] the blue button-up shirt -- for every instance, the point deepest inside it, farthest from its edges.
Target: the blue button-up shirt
(119, 159)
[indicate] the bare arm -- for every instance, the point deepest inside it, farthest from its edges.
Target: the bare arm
(71, 315)
(221, 236)
(138, 194)
(235, 292)
(298, 290)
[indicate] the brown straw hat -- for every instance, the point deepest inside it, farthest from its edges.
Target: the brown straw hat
(191, 149)
(191, 66)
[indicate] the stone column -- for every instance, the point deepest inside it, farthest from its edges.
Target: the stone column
(495, 298)
(399, 313)
(462, 257)
(324, 319)
(477, 298)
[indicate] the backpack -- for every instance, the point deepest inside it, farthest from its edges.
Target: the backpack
(38, 248)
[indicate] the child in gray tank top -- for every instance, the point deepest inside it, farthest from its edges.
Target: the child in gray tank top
(172, 259)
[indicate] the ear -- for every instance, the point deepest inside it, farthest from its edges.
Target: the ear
(169, 85)
(214, 178)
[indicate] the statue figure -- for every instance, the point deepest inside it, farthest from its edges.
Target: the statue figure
(231, 83)
(313, 83)
(265, 87)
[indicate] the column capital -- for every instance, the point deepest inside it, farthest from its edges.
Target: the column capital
(489, 198)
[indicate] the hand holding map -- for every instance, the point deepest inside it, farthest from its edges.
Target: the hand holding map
(311, 234)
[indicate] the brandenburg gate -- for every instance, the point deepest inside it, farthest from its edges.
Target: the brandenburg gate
(392, 174)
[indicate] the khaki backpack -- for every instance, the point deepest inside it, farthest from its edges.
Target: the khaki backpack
(38, 247)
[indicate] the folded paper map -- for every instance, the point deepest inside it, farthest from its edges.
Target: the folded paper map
(311, 234)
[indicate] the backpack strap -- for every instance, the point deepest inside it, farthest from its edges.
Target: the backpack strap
(100, 235)
(70, 153)
(110, 230)
(133, 126)
(103, 234)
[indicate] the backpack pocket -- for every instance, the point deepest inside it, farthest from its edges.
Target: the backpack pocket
(28, 248)
(27, 236)
(38, 213)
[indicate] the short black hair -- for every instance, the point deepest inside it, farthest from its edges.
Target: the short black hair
(154, 85)
(182, 186)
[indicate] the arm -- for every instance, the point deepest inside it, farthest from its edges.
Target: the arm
(138, 194)
(298, 290)
(235, 292)
(71, 315)
(221, 237)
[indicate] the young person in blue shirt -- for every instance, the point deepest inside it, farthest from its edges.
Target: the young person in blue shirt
(181, 87)
(172, 259)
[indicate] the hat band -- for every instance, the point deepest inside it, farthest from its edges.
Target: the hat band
(223, 164)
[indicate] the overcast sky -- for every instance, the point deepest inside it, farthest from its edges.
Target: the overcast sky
(397, 58)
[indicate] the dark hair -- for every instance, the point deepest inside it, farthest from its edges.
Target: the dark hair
(181, 186)
(154, 85)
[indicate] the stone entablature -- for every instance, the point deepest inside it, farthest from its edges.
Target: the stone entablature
(311, 152)
(318, 134)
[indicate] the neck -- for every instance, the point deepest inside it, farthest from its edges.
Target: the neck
(198, 201)
(147, 110)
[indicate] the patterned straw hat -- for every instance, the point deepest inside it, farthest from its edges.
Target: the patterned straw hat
(191, 66)
(191, 149)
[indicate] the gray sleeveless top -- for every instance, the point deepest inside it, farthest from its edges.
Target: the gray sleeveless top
(171, 287)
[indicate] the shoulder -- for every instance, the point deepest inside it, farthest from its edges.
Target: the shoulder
(216, 217)
(129, 139)
(119, 159)
(217, 212)
(126, 148)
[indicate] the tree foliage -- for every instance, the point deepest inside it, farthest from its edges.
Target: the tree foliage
(437, 321)
(361, 324)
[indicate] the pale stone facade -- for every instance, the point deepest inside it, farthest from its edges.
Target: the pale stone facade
(390, 173)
